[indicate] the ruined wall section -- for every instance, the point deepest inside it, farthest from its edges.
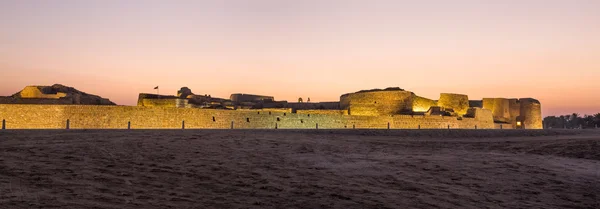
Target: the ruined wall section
(458, 102)
(500, 108)
(422, 104)
(250, 98)
(34, 92)
(377, 103)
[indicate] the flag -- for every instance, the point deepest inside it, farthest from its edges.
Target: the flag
(156, 87)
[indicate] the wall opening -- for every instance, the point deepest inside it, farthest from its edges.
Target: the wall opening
(214, 119)
(283, 114)
(278, 119)
(309, 115)
(301, 121)
(269, 112)
(248, 120)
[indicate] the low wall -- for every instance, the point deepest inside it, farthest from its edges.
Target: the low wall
(323, 112)
(117, 117)
(422, 104)
(171, 102)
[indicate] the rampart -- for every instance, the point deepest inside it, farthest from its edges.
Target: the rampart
(118, 117)
(422, 104)
(374, 103)
(531, 113)
(250, 98)
(375, 108)
(314, 105)
(458, 102)
(30, 92)
(500, 108)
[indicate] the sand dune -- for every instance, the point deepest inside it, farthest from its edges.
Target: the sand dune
(299, 169)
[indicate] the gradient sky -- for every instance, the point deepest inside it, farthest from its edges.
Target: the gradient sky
(546, 49)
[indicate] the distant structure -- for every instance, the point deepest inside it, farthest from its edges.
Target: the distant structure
(376, 108)
(55, 94)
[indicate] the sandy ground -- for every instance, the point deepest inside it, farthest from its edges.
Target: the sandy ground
(299, 169)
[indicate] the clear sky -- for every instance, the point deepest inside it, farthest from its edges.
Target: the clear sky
(546, 49)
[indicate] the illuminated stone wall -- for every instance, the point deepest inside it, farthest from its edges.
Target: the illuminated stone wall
(422, 104)
(249, 98)
(514, 110)
(500, 108)
(34, 92)
(510, 111)
(158, 102)
(458, 102)
(376, 103)
(531, 113)
(117, 117)
(323, 112)
(314, 105)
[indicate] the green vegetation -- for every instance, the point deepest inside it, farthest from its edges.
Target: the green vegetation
(573, 121)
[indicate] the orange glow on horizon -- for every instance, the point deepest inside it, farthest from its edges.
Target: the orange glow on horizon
(319, 49)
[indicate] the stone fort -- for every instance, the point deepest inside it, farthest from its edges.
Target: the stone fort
(59, 107)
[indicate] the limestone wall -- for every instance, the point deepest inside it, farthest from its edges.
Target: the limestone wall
(422, 104)
(500, 108)
(146, 102)
(12, 100)
(117, 117)
(249, 98)
(34, 92)
(514, 110)
(531, 113)
(314, 105)
(323, 112)
(458, 102)
(377, 103)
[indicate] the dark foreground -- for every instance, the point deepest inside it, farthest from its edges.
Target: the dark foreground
(299, 169)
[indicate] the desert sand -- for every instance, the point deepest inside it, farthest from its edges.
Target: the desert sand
(299, 169)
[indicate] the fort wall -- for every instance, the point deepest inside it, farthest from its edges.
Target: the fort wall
(322, 112)
(35, 92)
(146, 102)
(249, 98)
(422, 104)
(60, 101)
(375, 103)
(531, 113)
(118, 117)
(458, 102)
(314, 105)
(514, 110)
(500, 108)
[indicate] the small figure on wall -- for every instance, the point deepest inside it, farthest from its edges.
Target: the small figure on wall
(308, 100)
(300, 100)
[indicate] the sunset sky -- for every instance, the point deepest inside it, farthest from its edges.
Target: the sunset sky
(546, 49)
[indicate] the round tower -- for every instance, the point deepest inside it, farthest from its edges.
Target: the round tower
(531, 114)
